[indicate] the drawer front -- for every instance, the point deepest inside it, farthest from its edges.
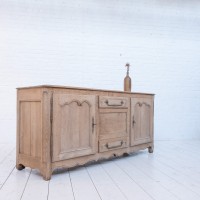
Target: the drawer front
(113, 102)
(112, 144)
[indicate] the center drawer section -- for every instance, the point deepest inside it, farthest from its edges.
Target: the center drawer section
(113, 121)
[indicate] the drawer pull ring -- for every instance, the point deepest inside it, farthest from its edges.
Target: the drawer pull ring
(114, 104)
(109, 146)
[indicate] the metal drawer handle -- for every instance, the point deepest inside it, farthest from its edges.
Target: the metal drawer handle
(114, 104)
(114, 146)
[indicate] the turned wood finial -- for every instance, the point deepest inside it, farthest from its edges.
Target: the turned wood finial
(127, 65)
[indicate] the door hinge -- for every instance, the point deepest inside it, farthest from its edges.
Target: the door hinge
(133, 122)
(93, 124)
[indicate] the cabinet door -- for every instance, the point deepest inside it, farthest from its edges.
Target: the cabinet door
(73, 127)
(142, 120)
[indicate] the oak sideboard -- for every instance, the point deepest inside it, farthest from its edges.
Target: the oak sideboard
(61, 126)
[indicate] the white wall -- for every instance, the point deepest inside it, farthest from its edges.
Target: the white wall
(87, 43)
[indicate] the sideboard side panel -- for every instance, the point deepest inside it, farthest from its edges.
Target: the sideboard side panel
(29, 127)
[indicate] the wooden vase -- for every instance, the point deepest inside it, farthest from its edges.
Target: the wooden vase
(127, 83)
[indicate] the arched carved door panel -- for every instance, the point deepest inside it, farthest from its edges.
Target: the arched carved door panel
(142, 120)
(73, 127)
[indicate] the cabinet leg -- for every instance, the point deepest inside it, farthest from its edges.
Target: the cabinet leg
(20, 166)
(150, 149)
(47, 175)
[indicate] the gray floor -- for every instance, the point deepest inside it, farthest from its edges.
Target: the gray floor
(171, 172)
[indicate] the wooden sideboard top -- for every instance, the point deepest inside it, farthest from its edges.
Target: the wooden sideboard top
(80, 88)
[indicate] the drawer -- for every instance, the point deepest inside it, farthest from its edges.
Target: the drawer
(112, 144)
(113, 102)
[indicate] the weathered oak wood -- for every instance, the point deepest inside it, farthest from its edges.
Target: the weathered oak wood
(66, 126)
